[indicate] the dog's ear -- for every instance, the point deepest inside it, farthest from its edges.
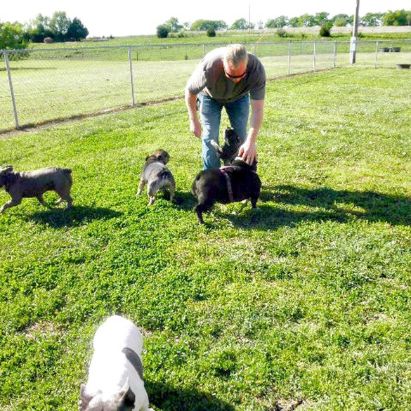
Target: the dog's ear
(6, 169)
(127, 397)
(147, 158)
(84, 398)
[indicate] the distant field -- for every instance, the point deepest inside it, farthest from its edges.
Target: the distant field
(66, 82)
(223, 37)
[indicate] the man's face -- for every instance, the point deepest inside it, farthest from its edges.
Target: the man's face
(235, 73)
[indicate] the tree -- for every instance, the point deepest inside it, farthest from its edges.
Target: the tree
(162, 31)
(293, 22)
(59, 25)
(397, 18)
(12, 36)
(39, 29)
(372, 19)
(173, 24)
(240, 24)
(340, 20)
(277, 23)
(76, 31)
(320, 18)
(306, 20)
(204, 25)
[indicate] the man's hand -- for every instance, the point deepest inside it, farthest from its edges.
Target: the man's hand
(195, 127)
(248, 152)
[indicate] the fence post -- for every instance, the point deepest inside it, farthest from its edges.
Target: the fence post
(289, 57)
(314, 56)
(376, 53)
(133, 101)
(335, 54)
(13, 99)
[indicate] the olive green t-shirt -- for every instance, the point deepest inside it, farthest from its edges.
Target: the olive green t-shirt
(209, 77)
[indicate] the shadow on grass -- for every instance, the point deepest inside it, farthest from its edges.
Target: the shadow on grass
(326, 204)
(75, 216)
(168, 398)
(184, 200)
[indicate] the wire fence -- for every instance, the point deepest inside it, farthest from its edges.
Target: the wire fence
(42, 85)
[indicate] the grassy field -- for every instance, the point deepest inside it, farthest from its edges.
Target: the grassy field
(196, 38)
(306, 300)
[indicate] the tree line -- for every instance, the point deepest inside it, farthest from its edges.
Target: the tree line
(390, 18)
(58, 28)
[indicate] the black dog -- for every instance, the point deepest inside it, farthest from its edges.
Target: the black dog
(232, 144)
(236, 182)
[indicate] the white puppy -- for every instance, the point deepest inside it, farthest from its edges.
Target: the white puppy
(115, 380)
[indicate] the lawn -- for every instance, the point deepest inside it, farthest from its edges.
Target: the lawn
(305, 301)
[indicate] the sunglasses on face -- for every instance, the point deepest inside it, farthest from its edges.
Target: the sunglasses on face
(235, 77)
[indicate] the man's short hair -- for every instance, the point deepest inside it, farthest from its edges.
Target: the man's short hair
(236, 54)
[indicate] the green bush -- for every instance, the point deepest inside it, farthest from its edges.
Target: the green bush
(162, 31)
(282, 33)
(211, 32)
(325, 30)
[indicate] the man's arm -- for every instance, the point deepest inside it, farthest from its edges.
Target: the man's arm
(248, 151)
(191, 103)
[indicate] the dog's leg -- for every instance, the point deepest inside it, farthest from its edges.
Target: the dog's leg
(64, 196)
(41, 200)
(216, 147)
(12, 203)
(243, 205)
(140, 187)
(199, 211)
(152, 191)
(172, 190)
(254, 202)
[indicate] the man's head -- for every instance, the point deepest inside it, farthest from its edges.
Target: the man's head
(235, 62)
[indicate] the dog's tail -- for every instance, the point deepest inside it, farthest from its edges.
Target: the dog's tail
(165, 174)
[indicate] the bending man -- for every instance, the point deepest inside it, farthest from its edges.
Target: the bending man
(226, 77)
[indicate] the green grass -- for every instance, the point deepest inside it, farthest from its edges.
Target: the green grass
(306, 299)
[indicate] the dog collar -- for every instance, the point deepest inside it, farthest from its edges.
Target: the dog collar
(228, 181)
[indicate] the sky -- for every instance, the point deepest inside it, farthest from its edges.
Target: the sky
(133, 17)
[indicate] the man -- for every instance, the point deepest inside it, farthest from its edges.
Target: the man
(227, 77)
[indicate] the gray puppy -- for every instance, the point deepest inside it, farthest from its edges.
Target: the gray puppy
(35, 184)
(157, 176)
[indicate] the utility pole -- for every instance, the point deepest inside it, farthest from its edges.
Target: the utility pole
(353, 43)
(249, 18)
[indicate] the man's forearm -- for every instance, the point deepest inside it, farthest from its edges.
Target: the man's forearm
(191, 103)
(257, 114)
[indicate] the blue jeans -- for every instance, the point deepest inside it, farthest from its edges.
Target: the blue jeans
(210, 114)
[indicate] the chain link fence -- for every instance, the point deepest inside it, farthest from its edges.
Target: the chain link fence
(42, 85)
